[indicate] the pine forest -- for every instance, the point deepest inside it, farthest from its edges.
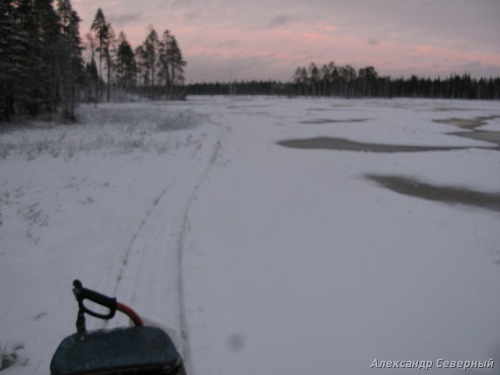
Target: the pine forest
(47, 66)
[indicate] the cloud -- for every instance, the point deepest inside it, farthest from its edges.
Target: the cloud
(227, 43)
(212, 67)
(278, 21)
(480, 69)
(181, 3)
(125, 18)
(190, 16)
(373, 41)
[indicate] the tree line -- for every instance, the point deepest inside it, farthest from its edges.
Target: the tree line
(253, 87)
(347, 82)
(40, 57)
(154, 69)
(42, 69)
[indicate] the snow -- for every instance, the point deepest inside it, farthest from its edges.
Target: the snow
(262, 258)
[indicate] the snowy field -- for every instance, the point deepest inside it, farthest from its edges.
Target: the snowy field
(274, 235)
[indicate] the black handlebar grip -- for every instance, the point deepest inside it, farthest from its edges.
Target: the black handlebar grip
(82, 294)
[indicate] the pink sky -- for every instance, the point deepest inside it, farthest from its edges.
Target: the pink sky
(262, 39)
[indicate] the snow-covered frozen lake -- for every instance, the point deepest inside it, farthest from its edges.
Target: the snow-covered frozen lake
(275, 235)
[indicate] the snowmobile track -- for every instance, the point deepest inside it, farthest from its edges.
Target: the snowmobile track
(152, 278)
(136, 235)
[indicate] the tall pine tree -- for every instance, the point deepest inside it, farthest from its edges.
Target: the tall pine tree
(70, 56)
(177, 68)
(103, 34)
(13, 52)
(171, 65)
(37, 87)
(150, 58)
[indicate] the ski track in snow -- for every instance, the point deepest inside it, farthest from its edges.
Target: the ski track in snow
(148, 275)
(166, 222)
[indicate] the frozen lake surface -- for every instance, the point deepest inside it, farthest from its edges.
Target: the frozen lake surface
(274, 235)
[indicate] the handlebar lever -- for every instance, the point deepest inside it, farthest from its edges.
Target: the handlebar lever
(82, 294)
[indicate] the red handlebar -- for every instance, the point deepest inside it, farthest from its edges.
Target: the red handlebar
(130, 313)
(82, 294)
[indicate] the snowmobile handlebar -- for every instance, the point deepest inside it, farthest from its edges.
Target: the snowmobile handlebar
(82, 294)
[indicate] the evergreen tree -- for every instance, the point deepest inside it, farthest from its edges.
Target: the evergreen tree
(150, 57)
(334, 77)
(103, 34)
(110, 53)
(177, 64)
(33, 42)
(91, 72)
(368, 81)
(91, 79)
(142, 77)
(313, 78)
(325, 79)
(125, 64)
(70, 56)
(38, 87)
(13, 51)
(347, 75)
(300, 79)
(171, 65)
(165, 74)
